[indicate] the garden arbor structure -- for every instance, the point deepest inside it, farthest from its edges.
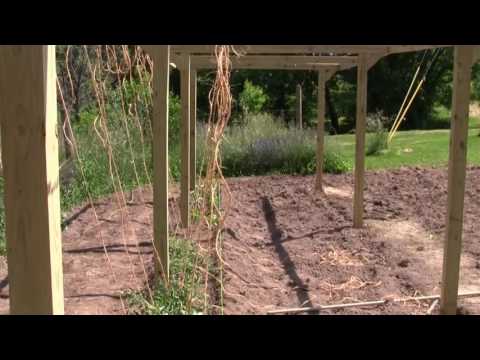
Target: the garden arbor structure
(30, 151)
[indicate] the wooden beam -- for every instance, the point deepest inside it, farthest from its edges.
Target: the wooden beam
(476, 54)
(307, 49)
(362, 75)
(185, 141)
(456, 177)
(244, 63)
(28, 117)
(322, 79)
(161, 75)
(372, 60)
(274, 62)
(193, 128)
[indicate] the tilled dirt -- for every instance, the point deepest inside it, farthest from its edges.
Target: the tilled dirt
(106, 254)
(286, 245)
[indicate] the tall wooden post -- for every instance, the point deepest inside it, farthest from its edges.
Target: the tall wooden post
(193, 128)
(161, 75)
(1, 164)
(28, 117)
(456, 177)
(299, 114)
(185, 141)
(320, 128)
(362, 80)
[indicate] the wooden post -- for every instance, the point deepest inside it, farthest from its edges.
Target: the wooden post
(28, 117)
(456, 177)
(193, 128)
(320, 128)
(299, 107)
(362, 80)
(185, 141)
(161, 74)
(1, 163)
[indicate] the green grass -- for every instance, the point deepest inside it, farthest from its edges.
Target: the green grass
(184, 295)
(413, 148)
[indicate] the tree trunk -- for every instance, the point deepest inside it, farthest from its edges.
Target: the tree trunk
(332, 114)
(299, 104)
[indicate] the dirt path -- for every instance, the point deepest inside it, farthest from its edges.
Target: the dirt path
(287, 247)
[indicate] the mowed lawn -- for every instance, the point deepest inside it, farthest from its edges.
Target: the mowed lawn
(413, 148)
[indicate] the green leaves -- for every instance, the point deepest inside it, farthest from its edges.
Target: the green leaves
(183, 295)
(252, 98)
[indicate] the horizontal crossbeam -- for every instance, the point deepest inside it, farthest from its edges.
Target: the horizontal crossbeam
(276, 62)
(307, 49)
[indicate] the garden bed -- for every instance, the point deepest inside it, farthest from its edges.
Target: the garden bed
(286, 246)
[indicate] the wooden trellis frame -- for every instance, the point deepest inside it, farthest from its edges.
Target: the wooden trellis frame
(30, 151)
(326, 66)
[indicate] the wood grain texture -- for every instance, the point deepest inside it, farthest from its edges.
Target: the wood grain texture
(31, 170)
(161, 76)
(456, 177)
(193, 128)
(362, 72)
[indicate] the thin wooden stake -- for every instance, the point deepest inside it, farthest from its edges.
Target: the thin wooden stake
(193, 129)
(360, 141)
(320, 129)
(367, 303)
(299, 116)
(185, 142)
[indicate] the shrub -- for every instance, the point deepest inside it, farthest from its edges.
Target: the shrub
(252, 98)
(377, 143)
(377, 122)
(264, 145)
(476, 82)
(335, 163)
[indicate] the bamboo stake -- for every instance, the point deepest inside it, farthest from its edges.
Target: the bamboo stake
(390, 137)
(368, 303)
(404, 101)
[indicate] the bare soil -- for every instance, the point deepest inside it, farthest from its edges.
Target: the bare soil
(286, 245)
(106, 254)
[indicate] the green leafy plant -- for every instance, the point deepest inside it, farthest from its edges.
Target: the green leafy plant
(252, 98)
(184, 293)
(335, 163)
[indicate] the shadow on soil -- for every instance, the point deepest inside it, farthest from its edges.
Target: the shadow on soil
(287, 263)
